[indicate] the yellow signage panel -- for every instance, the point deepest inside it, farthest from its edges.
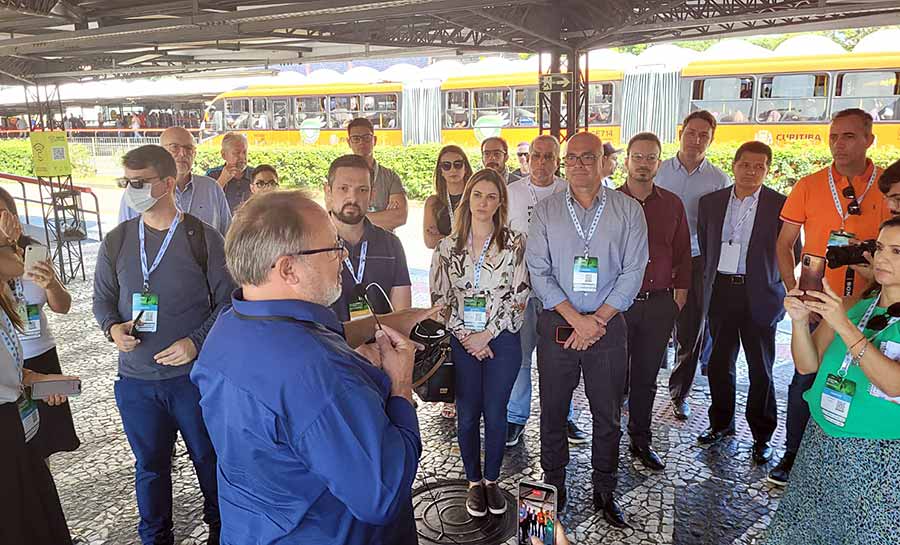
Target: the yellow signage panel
(50, 153)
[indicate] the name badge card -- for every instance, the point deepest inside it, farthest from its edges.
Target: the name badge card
(840, 238)
(475, 313)
(584, 274)
(148, 303)
(28, 413)
(31, 317)
(729, 257)
(358, 308)
(837, 398)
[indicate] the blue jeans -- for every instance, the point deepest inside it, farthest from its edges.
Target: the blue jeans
(482, 389)
(152, 411)
(519, 408)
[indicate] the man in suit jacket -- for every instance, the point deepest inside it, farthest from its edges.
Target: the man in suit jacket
(737, 229)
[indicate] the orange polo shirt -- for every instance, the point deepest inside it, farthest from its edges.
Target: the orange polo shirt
(811, 205)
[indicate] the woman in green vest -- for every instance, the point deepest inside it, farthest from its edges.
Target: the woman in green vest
(845, 486)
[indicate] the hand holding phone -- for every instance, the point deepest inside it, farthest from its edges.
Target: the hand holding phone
(65, 387)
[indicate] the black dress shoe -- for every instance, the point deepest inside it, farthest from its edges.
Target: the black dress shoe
(574, 434)
(762, 453)
(681, 409)
(476, 503)
(780, 474)
(648, 457)
(603, 501)
(514, 434)
(711, 436)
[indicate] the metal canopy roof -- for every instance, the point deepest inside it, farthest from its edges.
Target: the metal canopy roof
(63, 40)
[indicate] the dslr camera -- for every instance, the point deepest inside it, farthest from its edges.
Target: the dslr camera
(852, 254)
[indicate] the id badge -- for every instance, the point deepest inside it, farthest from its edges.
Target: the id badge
(729, 256)
(31, 318)
(148, 303)
(358, 309)
(475, 313)
(836, 399)
(840, 238)
(584, 274)
(28, 413)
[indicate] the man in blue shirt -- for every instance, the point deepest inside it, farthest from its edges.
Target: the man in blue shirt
(315, 442)
(196, 195)
(159, 285)
(235, 176)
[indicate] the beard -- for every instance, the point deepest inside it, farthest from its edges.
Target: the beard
(353, 218)
(332, 294)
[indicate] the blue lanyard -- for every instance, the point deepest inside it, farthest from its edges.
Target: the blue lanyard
(848, 359)
(159, 255)
(578, 228)
(480, 262)
(837, 200)
(358, 275)
(736, 227)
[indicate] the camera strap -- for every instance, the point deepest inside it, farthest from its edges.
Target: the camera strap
(849, 281)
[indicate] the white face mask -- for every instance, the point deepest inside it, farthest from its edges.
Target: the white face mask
(140, 200)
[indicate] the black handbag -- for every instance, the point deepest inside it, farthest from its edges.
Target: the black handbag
(434, 376)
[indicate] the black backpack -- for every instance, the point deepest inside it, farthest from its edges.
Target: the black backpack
(196, 239)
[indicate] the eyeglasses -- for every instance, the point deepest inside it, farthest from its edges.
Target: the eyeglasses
(651, 157)
(137, 183)
(877, 323)
(176, 148)
(522, 154)
(264, 183)
(338, 248)
(586, 159)
(853, 206)
(360, 138)
(493, 153)
(447, 165)
(549, 157)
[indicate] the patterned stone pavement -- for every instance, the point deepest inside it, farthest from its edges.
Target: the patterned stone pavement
(705, 496)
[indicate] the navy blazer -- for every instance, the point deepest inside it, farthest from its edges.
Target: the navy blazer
(764, 285)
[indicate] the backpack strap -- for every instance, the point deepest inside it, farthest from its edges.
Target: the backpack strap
(114, 241)
(197, 240)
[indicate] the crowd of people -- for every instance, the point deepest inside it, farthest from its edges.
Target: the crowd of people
(207, 274)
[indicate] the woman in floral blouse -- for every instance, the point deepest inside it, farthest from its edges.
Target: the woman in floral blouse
(479, 275)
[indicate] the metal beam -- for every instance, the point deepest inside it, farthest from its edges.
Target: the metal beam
(521, 28)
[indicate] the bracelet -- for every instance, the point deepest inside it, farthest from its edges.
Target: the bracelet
(852, 346)
(859, 356)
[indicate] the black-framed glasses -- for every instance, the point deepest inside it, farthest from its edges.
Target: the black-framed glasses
(359, 138)
(853, 206)
(586, 159)
(877, 323)
(447, 165)
(339, 248)
(137, 183)
(266, 183)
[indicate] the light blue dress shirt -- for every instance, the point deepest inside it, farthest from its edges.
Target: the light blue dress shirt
(690, 186)
(202, 198)
(620, 243)
(739, 218)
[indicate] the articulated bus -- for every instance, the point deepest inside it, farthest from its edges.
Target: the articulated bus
(776, 100)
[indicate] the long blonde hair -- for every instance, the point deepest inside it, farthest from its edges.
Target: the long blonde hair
(463, 218)
(440, 183)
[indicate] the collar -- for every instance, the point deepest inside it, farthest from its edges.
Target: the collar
(753, 196)
(594, 202)
(288, 308)
(680, 166)
(527, 180)
(654, 192)
(864, 176)
(368, 232)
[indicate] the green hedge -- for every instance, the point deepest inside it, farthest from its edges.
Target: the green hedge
(15, 158)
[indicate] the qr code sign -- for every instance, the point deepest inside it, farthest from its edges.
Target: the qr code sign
(59, 153)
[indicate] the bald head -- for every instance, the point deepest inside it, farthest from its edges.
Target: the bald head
(584, 162)
(586, 140)
(179, 142)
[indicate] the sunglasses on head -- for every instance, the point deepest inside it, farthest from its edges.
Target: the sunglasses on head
(853, 206)
(447, 165)
(877, 323)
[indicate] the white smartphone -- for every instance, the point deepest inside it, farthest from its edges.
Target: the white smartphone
(33, 254)
(46, 388)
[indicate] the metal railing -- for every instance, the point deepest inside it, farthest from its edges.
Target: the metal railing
(83, 190)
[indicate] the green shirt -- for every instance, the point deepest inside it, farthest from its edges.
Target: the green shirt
(870, 417)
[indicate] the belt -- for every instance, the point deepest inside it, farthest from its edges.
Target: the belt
(732, 279)
(645, 295)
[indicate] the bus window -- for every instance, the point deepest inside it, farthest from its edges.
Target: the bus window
(600, 105)
(237, 114)
(381, 110)
(493, 106)
(875, 92)
(309, 109)
(728, 99)
(792, 98)
(343, 110)
(281, 113)
(457, 109)
(526, 107)
(260, 114)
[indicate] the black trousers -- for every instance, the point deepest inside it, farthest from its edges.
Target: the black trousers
(689, 335)
(604, 366)
(649, 327)
(731, 326)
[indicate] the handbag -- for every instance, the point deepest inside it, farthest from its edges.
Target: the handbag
(434, 376)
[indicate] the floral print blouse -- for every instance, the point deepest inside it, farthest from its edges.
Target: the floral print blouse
(503, 282)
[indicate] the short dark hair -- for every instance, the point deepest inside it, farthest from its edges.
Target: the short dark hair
(348, 161)
(754, 147)
(703, 115)
(893, 221)
(644, 137)
(889, 177)
(498, 139)
(863, 116)
(151, 156)
(360, 122)
(263, 168)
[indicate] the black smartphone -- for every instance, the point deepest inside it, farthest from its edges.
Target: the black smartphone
(563, 332)
(134, 325)
(536, 510)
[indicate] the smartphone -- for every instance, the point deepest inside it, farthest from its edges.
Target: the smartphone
(46, 388)
(812, 271)
(536, 511)
(563, 332)
(134, 325)
(33, 254)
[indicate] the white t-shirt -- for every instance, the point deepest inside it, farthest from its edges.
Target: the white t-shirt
(10, 366)
(522, 201)
(37, 343)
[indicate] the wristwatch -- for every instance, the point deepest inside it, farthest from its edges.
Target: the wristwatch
(109, 334)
